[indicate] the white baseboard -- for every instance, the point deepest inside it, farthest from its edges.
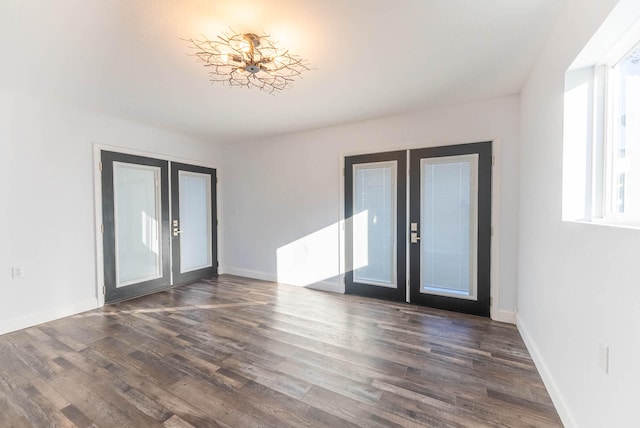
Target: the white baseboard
(327, 286)
(265, 276)
(50, 315)
(509, 317)
(254, 274)
(556, 396)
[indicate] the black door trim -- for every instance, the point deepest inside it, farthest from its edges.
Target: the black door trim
(112, 293)
(482, 305)
(181, 278)
(398, 293)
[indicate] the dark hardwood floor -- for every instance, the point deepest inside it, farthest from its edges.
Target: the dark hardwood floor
(234, 352)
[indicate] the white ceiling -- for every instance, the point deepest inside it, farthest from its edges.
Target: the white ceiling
(372, 58)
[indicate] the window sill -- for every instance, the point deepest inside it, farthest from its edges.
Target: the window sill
(609, 222)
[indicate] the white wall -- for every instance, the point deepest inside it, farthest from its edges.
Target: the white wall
(282, 189)
(47, 205)
(577, 283)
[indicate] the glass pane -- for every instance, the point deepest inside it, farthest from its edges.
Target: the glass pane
(374, 218)
(137, 223)
(448, 226)
(195, 221)
(625, 153)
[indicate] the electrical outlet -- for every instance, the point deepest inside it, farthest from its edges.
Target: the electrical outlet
(603, 358)
(17, 272)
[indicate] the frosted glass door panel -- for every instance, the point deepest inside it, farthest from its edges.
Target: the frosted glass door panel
(374, 223)
(448, 226)
(195, 221)
(137, 223)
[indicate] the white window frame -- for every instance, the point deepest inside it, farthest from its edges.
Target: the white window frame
(603, 161)
(588, 123)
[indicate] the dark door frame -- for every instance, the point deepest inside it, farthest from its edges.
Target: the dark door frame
(182, 278)
(482, 305)
(105, 237)
(485, 202)
(400, 292)
(111, 292)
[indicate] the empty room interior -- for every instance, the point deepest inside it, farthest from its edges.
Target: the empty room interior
(320, 213)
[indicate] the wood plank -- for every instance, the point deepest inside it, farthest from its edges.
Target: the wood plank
(229, 351)
(99, 401)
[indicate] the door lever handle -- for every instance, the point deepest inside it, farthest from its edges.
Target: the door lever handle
(414, 237)
(176, 231)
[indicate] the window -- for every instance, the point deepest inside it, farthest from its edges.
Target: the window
(601, 147)
(623, 145)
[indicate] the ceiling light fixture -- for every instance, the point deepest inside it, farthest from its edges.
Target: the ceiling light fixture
(248, 60)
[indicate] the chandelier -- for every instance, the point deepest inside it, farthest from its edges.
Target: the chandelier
(248, 60)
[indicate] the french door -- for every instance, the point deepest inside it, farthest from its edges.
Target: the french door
(159, 224)
(193, 224)
(450, 227)
(375, 213)
(448, 232)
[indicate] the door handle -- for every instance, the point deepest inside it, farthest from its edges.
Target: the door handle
(414, 237)
(176, 231)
